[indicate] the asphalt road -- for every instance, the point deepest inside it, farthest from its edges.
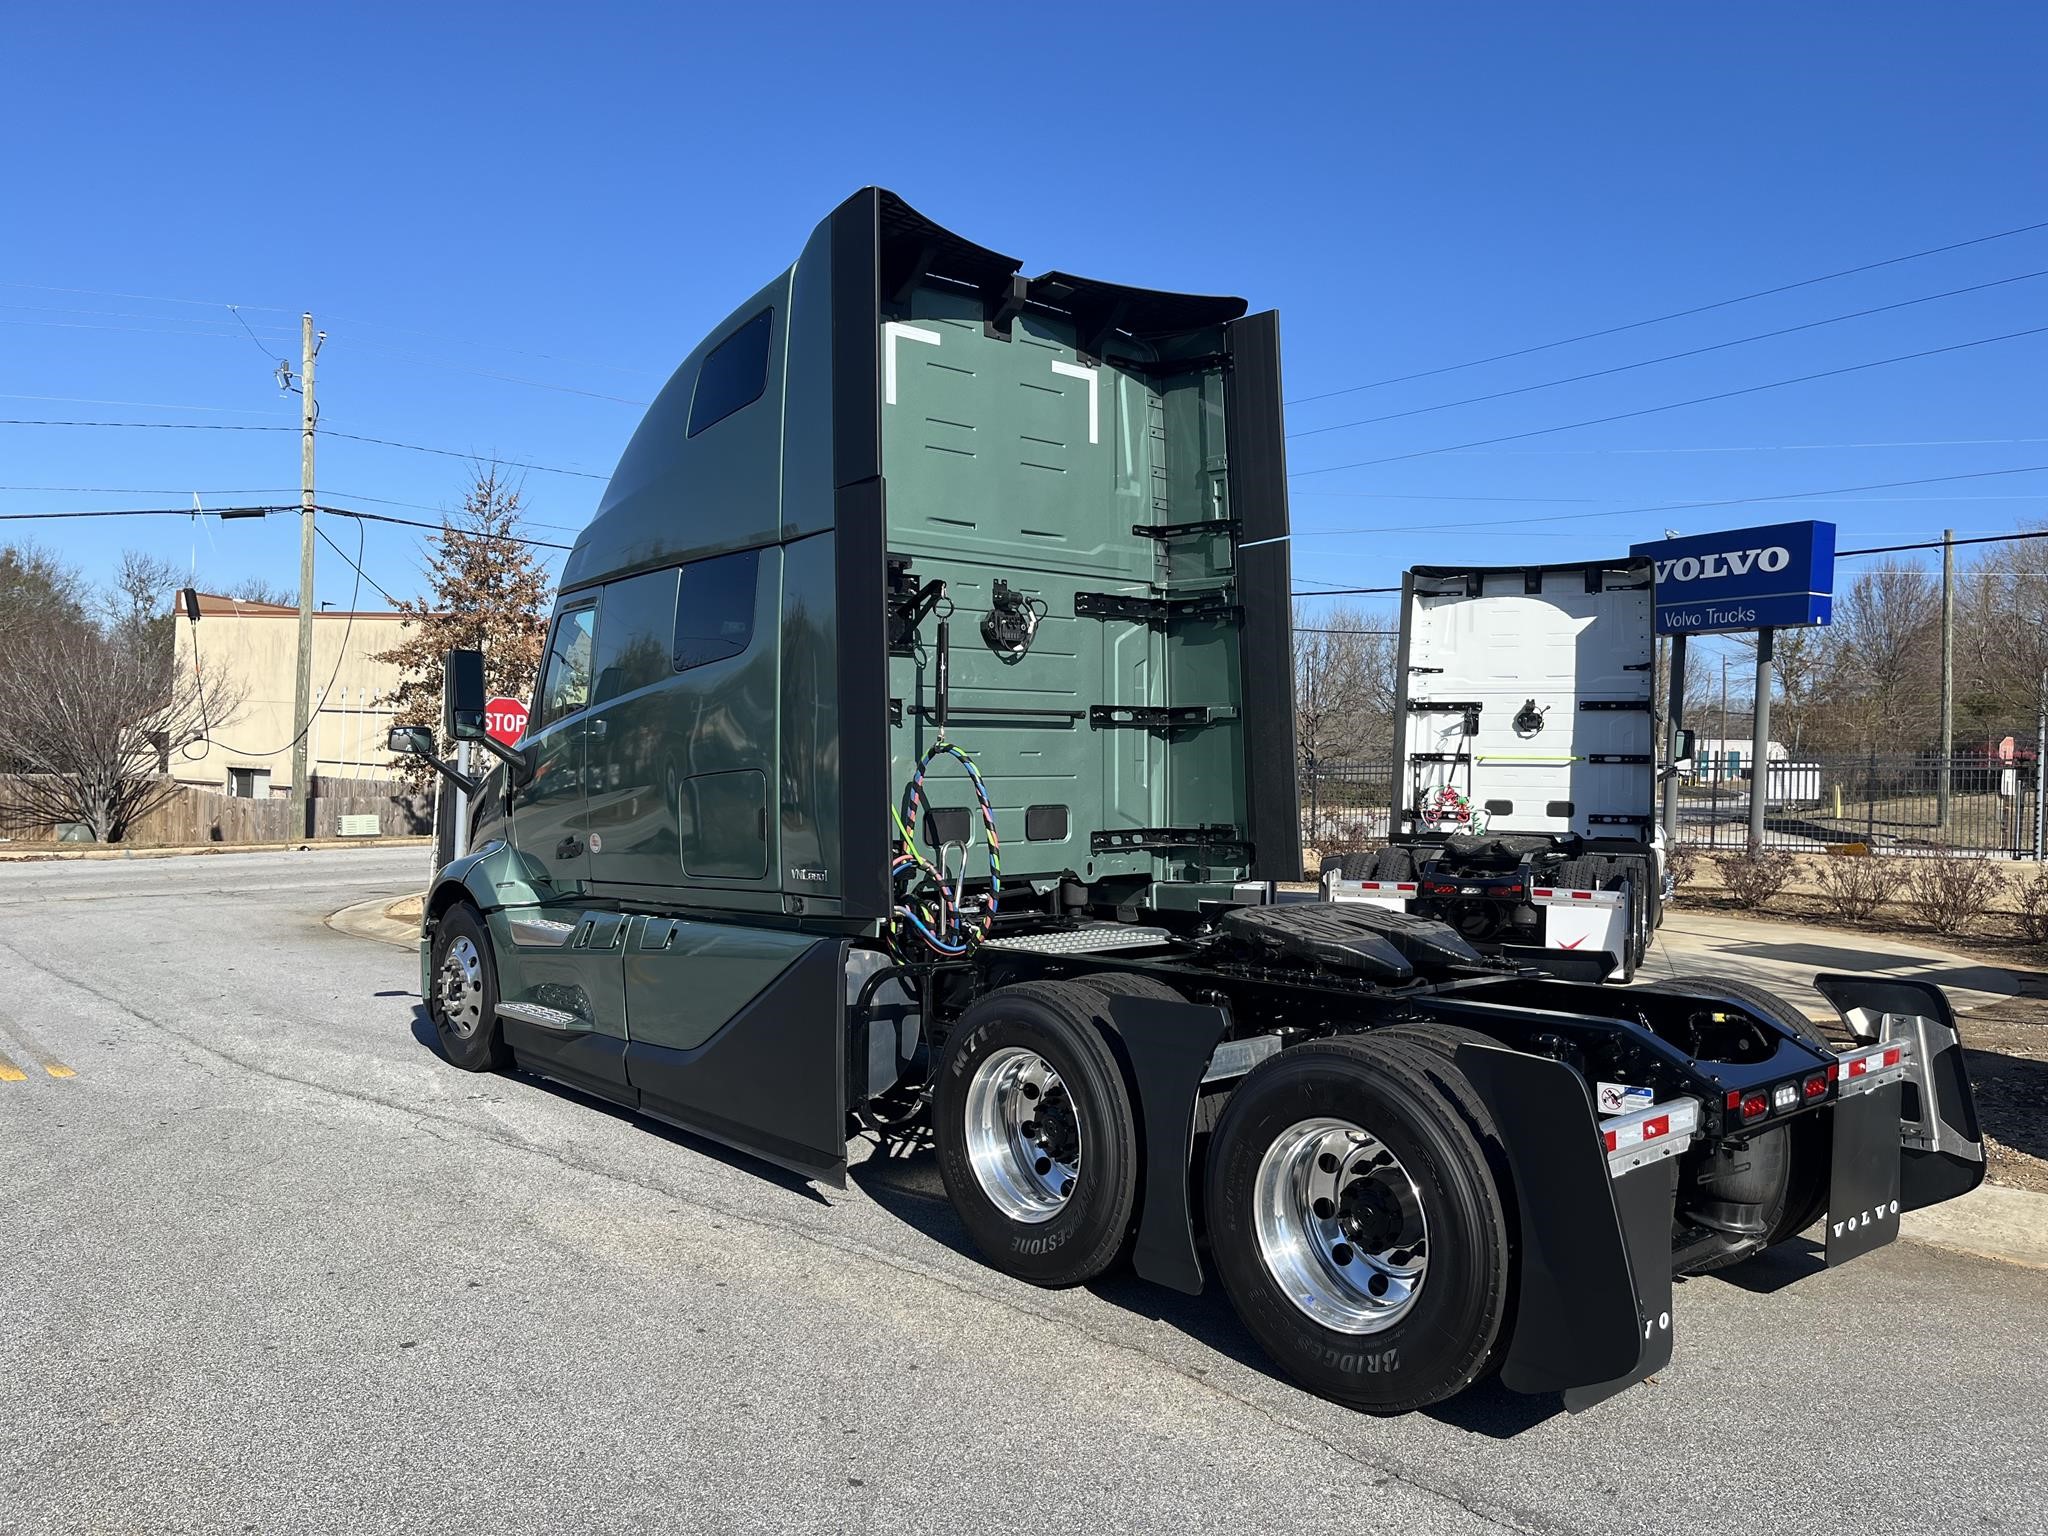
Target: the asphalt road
(268, 1264)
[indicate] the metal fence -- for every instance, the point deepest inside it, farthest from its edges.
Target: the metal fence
(1886, 801)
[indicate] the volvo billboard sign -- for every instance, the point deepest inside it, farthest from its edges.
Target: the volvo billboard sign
(1781, 577)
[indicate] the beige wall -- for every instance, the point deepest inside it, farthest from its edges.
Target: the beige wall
(256, 646)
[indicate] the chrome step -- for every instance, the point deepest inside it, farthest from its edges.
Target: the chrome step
(544, 1018)
(1083, 941)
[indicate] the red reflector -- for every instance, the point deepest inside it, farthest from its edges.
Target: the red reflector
(1659, 1126)
(1834, 1070)
(1816, 1085)
(1408, 885)
(1608, 1137)
(1735, 1098)
(1582, 895)
(1891, 1057)
(1541, 892)
(1859, 1066)
(1754, 1106)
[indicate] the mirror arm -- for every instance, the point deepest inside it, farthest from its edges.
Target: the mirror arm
(511, 756)
(452, 774)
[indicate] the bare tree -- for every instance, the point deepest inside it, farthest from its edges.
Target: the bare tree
(91, 708)
(1344, 685)
(258, 589)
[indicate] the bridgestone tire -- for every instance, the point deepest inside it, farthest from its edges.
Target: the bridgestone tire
(1374, 864)
(1446, 1340)
(483, 1050)
(1056, 1021)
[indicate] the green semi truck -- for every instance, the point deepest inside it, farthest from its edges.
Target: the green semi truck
(914, 751)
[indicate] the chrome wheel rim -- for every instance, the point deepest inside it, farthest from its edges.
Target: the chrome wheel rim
(1023, 1135)
(1340, 1226)
(459, 987)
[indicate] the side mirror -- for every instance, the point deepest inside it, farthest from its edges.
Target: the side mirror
(1683, 752)
(464, 696)
(411, 740)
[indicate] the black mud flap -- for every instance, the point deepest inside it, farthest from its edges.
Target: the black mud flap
(1941, 1141)
(1863, 1192)
(1166, 1048)
(1592, 1311)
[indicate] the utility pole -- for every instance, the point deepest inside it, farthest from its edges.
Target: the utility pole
(1944, 783)
(1760, 743)
(302, 694)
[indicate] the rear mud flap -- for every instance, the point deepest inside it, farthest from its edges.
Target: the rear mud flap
(1564, 964)
(1592, 1311)
(1166, 1048)
(1863, 1191)
(1941, 1141)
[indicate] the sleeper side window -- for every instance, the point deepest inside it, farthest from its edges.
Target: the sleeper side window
(715, 611)
(565, 680)
(733, 374)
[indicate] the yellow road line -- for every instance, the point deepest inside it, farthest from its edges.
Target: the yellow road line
(10, 1073)
(58, 1069)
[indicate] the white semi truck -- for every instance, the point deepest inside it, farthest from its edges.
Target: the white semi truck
(1525, 765)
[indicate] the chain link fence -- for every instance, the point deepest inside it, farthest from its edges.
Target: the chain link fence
(1889, 802)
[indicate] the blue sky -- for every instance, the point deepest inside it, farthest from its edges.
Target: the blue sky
(570, 196)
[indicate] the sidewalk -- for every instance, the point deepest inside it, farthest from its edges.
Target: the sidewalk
(1785, 957)
(30, 853)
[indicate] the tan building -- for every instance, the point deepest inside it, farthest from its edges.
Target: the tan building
(255, 645)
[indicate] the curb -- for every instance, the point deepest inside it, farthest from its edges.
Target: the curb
(71, 853)
(1992, 1221)
(372, 920)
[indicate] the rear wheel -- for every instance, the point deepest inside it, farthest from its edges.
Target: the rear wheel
(1356, 1225)
(464, 1000)
(1036, 1139)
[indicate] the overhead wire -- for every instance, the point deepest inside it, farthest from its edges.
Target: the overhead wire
(1673, 405)
(1668, 357)
(1677, 314)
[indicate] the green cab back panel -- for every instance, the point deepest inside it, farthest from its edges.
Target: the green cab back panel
(1026, 461)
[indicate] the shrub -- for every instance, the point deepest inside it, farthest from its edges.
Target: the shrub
(1853, 888)
(1753, 879)
(2033, 900)
(1682, 861)
(1951, 891)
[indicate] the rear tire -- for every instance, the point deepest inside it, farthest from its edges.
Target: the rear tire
(1037, 1142)
(1300, 1267)
(464, 1001)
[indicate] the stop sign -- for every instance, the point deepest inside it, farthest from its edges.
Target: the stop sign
(505, 720)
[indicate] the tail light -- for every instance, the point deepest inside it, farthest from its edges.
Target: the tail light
(1815, 1087)
(1755, 1105)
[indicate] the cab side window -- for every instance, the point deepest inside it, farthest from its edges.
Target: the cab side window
(715, 611)
(565, 679)
(733, 375)
(633, 641)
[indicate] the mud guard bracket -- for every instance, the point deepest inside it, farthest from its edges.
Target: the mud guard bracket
(1592, 1314)
(1166, 1048)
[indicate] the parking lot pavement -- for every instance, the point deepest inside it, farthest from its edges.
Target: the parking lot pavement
(268, 1263)
(1786, 956)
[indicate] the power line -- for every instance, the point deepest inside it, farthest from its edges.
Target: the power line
(450, 453)
(354, 437)
(1652, 410)
(1668, 506)
(1677, 314)
(488, 373)
(157, 426)
(145, 298)
(360, 572)
(40, 517)
(413, 522)
(146, 405)
(1927, 442)
(1669, 357)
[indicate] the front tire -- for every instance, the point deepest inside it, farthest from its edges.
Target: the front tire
(1037, 1142)
(464, 1001)
(1357, 1227)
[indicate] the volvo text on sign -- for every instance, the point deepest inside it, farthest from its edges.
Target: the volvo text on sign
(1748, 578)
(505, 720)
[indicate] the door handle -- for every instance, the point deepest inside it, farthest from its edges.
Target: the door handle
(569, 848)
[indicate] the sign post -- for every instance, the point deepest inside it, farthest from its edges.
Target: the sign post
(1747, 579)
